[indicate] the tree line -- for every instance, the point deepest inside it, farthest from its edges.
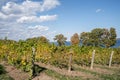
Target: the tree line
(97, 37)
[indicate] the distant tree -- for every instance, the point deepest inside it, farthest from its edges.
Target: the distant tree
(84, 38)
(99, 37)
(113, 36)
(43, 39)
(5, 38)
(75, 39)
(60, 39)
(96, 36)
(37, 40)
(109, 37)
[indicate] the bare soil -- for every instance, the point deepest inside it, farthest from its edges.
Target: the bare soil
(66, 73)
(97, 69)
(17, 74)
(43, 76)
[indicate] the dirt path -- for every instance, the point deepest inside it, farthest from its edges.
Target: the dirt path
(65, 72)
(17, 74)
(43, 76)
(96, 69)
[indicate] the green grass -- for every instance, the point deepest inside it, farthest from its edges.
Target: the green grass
(106, 67)
(110, 77)
(58, 76)
(3, 75)
(2, 70)
(114, 76)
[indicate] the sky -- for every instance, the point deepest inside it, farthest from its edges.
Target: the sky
(22, 19)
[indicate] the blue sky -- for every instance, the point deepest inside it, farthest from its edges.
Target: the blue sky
(21, 19)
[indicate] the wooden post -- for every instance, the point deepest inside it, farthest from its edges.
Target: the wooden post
(70, 63)
(111, 58)
(92, 60)
(33, 54)
(32, 70)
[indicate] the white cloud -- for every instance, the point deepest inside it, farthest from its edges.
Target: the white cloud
(2, 2)
(48, 18)
(26, 9)
(11, 8)
(27, 19)
(17, 17)
(29, 7)
(38, 27)
(49, 4)
(50, 33)
(21, 32)
(98, 10)
(2, 16)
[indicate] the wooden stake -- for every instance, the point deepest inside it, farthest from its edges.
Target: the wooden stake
(32, 64)
(92, 60)
(111, 58)
(70, 63)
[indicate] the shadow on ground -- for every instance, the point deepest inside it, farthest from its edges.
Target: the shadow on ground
(37, 70)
